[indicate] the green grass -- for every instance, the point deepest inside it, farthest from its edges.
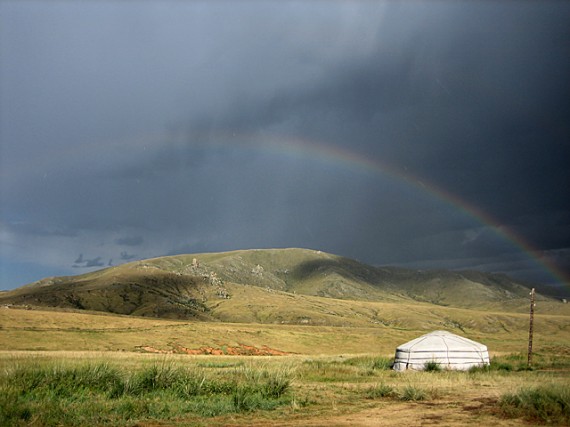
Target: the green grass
(380, 390)
(408, 393)
(371, 362)
(355, 369)
(546, 403)
(432, 366)
(413, 394)
(518, 362)
(217, 365)
(125, 390)
(101, 394)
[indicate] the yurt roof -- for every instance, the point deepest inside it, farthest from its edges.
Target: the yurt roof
(441, 339)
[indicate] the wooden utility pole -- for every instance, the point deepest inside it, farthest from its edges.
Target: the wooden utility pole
(530, 328)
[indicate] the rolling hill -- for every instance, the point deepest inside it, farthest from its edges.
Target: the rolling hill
(291, 286)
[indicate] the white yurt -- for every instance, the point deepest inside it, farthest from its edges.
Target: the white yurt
(450, 351)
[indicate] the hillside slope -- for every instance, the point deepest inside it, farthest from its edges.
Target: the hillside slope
(266, 286)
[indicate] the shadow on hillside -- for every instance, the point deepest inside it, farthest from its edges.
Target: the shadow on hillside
(347, 268)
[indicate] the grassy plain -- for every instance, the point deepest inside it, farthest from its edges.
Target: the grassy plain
(53, 330)
(334, 375)
(279, 391)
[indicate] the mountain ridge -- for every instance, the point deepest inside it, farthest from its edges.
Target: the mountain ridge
(228, 286)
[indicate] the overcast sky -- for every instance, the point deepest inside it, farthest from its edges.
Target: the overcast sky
(424, 135)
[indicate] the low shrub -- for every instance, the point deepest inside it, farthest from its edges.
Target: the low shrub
(500, 363)
(549, 404)
(501, 366)
(432, 366)
(480, 369)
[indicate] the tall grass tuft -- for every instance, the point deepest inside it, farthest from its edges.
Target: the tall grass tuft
(156, 377)
(412, 393)
(65, 381)
(549, 404)
(100, 394)
(380, 390)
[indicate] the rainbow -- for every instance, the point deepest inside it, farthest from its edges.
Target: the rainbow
(352, 160)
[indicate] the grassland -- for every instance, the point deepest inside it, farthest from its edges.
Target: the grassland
(173, 390)
(361, 327)
(273, 337)
(333, 375)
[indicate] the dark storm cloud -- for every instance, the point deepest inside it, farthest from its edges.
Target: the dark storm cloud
(475, 102)
(144, 125)
(27, 228)
(80, 262)
(130, 241)
(95, 262)
(125, 256)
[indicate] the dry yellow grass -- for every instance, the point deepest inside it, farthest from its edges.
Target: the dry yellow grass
(49, 330)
